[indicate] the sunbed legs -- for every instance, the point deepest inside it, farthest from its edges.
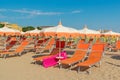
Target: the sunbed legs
(78, 70)
(4, 56)
(60, 66)
(19, 54)
(89, 72)
(70, 67)
(99, 63)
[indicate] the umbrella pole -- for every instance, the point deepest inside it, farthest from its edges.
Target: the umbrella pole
(59, 48)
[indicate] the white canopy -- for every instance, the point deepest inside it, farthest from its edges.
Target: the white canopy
(6, 29)
(34, 31)
(111, 33)
(59, 30)
(85, 30)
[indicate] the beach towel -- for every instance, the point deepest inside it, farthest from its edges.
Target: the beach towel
(52, 60)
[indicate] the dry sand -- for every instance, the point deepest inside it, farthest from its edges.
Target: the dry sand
(20, 68)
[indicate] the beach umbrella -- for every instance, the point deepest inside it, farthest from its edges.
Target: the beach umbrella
(89, 32)
(60, 31)
(7, 31)
(33, 32)
(17, 32)
(111, 33)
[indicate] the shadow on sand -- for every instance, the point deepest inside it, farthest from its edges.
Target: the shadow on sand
(113, 64)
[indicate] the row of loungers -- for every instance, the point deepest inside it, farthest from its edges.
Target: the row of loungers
(17, 51)
(85, 55)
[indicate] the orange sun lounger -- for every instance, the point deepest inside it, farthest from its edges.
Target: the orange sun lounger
(48, 46)
(117, 46)
(94, 58)
(53, 52)
(78, 55)
(18, 50)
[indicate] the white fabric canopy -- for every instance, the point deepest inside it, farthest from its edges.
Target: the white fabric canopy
(85, 30)
(111, 33)
(60, 30)
(6, 29)
(34, 31)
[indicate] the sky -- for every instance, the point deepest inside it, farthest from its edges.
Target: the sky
(96, 14)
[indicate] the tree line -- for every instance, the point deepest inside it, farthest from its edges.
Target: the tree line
(26, 28)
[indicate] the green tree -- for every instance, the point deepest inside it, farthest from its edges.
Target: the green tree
(28, 28)
(1, 25)
(39, 28)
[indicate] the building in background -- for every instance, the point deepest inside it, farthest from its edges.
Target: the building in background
(13, 26)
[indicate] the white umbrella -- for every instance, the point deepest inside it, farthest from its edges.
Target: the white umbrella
(7, 31)
(85, 30)
(60, 31)
(33, 32)
(89, 32)
(111, 33)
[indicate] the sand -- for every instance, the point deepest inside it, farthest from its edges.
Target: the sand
(21, 68)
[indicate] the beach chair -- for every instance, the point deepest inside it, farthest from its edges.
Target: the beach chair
(40, 43)
(83, 46)
(70, 44)
(79, 55)
(8, 39)
(18, 50)
(53, 52)
(94, 58)
(117, 46)
(49, 46)
(58, 48)
(11, 43)
(98, 47)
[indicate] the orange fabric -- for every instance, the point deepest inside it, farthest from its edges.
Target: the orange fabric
(117, 47)
(83, 46)
(94, 57)
(60, 34)
(60, 44)
(12, 41)
(18, 49)
(90, 35)
(50, 44)
(118, 44)
(11, 44)
(77, 56)
(98, 47)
